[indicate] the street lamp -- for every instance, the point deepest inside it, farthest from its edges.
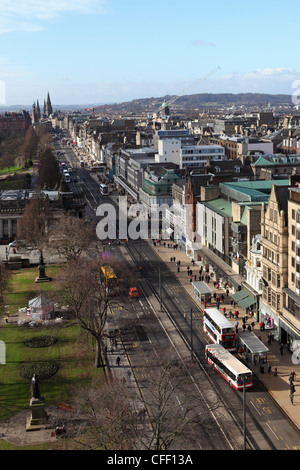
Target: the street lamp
(192, 352)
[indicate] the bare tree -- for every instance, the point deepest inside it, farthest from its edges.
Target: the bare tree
(49, 175)
(72, 236)
(30, 146)
(118, 416)
(33, 225)
(89, 287)
(110, 417)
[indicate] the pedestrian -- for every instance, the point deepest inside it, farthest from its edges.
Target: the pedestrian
(227, 292)
(292, 391)
(275, 371)
(178, 269)
(269, 368)
(118, 361)
(193, 262)
(269, 339)
(249, 328)
(260, 326)
(281, 349)
(293, 375)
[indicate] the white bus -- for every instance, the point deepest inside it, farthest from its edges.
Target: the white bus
(228, 366)
(219, 329)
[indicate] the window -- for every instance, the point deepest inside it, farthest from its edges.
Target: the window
(273, 299)
(293, 214)
(271, 214)
(278, 302)
(269, 274)
(278, 280)
(273, 278)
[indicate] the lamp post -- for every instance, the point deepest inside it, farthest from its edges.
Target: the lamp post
(244, 412)
(192, 352)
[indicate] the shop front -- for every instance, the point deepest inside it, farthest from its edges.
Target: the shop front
(269, 320)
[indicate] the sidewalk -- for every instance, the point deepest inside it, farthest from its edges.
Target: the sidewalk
(278, 387)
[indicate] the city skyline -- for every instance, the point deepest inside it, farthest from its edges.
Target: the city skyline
(104, 51)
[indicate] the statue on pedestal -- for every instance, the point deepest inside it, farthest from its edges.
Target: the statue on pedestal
(38, 418)
(35, 389)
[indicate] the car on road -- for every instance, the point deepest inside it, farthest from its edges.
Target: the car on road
(133, 292)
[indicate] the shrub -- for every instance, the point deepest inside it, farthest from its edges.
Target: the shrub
(40, 342)
(43, 370)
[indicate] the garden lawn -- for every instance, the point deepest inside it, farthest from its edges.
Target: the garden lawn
(23, 288)
(73, 352)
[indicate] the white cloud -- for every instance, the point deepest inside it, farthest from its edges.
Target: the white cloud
(29, 15)
(267, 80)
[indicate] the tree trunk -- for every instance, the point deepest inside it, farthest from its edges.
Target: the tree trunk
(99, 354)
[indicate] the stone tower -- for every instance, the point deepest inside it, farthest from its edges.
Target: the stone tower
(48, 106)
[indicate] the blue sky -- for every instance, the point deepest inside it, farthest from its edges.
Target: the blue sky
(95, 51)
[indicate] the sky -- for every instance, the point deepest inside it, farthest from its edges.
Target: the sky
(109, 51)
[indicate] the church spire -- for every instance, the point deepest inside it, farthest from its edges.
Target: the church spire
(48, 106)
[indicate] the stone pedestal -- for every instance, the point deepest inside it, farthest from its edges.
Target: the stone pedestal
(42, 275)
(38, 418)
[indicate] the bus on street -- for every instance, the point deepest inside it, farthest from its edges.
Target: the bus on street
(228, 366)
(219, 329)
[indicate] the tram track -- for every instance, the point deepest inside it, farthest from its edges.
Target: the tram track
(174, 313)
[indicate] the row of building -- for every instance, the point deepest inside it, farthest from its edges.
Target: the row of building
(230, 187)
(234, 202)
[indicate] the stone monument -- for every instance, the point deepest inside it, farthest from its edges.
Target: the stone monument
(42, 271)
(38, 418)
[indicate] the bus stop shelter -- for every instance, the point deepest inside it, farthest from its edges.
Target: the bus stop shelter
(202, 292)
(255, 351)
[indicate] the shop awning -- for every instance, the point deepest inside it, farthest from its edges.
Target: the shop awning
(244, 299)
(241, 294)
(247, 301)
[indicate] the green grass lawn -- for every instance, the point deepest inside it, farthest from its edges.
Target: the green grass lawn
(73, 351)
(23, 287)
